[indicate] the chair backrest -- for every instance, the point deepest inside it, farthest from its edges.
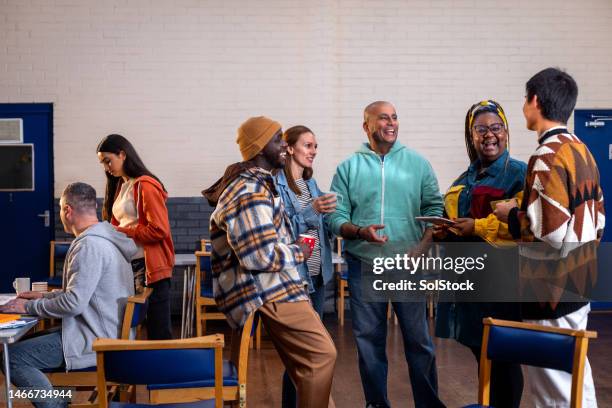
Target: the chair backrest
(206, 245)
(135, 312)
(203, 267)
(160, 362)
(535, 345)
(57, 253)
(240, 350)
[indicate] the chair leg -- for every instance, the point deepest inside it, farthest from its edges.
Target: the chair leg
(203, 327)
(341, 305)
(198, 320)
(258, 335)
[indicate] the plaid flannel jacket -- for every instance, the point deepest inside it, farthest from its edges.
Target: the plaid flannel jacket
(254, 259)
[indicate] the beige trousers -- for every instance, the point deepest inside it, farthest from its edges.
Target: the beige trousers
(306, 349)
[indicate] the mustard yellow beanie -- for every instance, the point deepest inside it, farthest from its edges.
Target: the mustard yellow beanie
(254, 135)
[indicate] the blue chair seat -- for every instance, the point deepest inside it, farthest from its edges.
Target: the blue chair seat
(55, 281)
(230, 379)
(63, 370)
(344, 275)
(198, 404)
(206, 292)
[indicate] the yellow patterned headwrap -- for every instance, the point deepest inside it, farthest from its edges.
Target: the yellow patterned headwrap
(488, 105)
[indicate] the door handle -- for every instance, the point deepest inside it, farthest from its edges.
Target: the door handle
(47, 216)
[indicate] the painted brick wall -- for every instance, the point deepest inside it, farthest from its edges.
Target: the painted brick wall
(178, 77)
(189, 222)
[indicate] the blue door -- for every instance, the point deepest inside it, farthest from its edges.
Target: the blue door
(594, 128)
(26, 196)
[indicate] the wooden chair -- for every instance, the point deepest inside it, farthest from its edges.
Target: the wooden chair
(204, 294)
(341, 282)
(137, 362)
(86, 379)
(234, 375)
(57, 253)
(535, 345)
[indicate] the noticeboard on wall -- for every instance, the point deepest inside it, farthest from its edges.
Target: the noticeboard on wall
(17, 167)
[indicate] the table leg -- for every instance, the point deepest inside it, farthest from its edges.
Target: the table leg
(7, 375)
(190, 301)
(183, 311)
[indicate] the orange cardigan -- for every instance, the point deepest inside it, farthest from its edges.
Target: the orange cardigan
(153, 228)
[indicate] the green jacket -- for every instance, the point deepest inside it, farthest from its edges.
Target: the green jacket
(390, 191)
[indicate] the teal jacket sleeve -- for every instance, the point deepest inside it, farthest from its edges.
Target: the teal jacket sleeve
(432, 204)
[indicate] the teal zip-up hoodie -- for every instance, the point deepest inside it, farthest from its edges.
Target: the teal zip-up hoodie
(389, 190)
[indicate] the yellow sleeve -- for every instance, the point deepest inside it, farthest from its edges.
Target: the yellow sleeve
(451, 201)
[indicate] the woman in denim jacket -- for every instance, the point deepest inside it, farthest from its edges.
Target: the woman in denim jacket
(306, 205)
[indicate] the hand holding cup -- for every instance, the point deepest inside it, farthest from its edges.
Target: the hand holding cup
(305, 246)
(502, 209)
(326, 203)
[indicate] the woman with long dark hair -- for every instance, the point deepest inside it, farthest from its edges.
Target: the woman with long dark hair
(306, 205)
(135, 203)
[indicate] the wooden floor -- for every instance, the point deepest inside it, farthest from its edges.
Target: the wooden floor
(457, 375)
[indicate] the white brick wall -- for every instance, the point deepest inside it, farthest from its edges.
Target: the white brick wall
(178, 77)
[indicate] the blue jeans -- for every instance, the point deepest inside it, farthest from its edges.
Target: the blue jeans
(369, 321)
(317, 298)
(28, 357)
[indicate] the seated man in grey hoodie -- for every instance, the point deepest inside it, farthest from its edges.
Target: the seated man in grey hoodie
(97, 281)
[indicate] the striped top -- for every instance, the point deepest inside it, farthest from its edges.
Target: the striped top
(254, 259)
(305, 199)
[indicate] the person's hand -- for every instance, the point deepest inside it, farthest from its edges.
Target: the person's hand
(440, 231)
(503, 209)
(14, 306)
(30, 295)
(325, 203)
(305, 249)
(464, 227)
(370, 234)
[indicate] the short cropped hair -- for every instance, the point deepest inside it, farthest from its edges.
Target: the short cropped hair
(370, 107)
(81, 197)
(557, 93)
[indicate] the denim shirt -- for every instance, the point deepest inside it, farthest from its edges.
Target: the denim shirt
(302, 221)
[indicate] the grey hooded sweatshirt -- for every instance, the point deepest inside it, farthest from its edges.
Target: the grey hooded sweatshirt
(98, 279)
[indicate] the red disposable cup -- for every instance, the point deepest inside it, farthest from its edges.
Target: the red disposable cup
(308, 240)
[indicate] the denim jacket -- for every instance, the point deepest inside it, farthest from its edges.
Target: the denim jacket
(302, 221)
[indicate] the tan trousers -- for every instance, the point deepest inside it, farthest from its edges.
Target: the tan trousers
(306, 349)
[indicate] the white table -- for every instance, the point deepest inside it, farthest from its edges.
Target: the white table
(9, 336)
(188, 310)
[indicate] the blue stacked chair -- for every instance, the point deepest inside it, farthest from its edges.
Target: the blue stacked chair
(534, 345)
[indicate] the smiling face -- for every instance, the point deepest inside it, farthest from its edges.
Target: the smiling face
(304, 151)
(275, 152)
(112, 163)
(490, 136)
(381, 125)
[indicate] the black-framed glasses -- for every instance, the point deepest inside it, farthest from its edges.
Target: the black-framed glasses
(496, 129)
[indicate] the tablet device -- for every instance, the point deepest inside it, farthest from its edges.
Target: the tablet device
(436, 220)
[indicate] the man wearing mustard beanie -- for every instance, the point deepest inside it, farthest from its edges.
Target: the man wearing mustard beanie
(258, 270)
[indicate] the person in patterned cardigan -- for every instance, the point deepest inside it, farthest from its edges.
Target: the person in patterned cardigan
(562, 207)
